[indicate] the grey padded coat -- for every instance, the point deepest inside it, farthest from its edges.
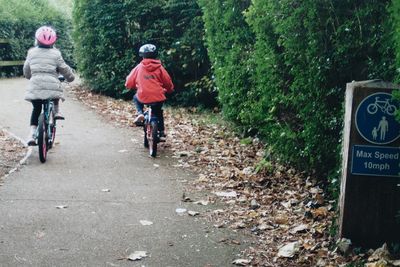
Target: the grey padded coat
(41, 67)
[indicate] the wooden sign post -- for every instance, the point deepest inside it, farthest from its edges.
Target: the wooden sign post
(370, 186)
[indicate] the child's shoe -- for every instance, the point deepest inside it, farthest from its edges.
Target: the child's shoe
(32, 136)
(139, 120)
(162, 137)
(59, 116)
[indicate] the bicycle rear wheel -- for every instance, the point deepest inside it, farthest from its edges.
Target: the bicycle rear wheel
(42, 139)
(152, 137)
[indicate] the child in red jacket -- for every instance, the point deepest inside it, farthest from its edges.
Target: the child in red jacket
(152, 81)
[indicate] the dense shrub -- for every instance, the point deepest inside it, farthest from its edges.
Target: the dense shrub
(395, 24)
(186, 56)
(292, 87)
(102, 51)
(230, 45)
(19, 20)
(108, 36)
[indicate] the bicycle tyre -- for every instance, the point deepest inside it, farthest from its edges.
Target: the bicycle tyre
(146, 140)
(372, 109)
(42, 139)
(154, 139)
(391, 110)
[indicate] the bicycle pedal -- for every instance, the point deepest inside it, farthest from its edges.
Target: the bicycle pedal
(32, 143)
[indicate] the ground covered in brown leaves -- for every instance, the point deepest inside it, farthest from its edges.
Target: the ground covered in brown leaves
(11, 152)
(285, 211)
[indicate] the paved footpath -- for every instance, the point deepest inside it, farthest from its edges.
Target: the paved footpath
(96, 228)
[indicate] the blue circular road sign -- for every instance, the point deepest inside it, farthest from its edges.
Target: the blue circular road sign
(375, 119)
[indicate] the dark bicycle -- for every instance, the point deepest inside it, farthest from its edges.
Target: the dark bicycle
(46, 130)
(151, 132)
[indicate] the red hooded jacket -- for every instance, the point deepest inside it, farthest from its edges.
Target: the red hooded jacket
(151, 80)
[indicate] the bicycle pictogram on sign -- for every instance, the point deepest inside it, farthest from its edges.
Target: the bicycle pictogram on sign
(383, 105)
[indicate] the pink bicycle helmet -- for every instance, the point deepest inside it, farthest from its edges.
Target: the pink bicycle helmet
(46, 35)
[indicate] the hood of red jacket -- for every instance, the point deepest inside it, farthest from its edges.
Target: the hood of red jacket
(151, 64)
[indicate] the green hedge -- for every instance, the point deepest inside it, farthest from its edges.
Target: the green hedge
(395, 20)
(290, 86)
(108, 36)
(230, 45)
(19, 20)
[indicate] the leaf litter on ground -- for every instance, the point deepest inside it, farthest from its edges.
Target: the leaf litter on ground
(277, 205)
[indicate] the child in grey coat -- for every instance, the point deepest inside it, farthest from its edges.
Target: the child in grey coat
(42, 66)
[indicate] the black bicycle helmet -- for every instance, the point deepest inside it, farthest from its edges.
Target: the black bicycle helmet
(148, 51)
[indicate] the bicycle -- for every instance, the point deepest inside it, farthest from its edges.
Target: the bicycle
(151, 132)
(46, 130)
(383, 105)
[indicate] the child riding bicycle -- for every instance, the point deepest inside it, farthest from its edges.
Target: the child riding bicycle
(152, 82)
(42, 66)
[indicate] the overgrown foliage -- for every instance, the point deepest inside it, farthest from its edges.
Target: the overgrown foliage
(293, 85)
(395, 20)
(108, 36)
(19, 20)
(230, 45)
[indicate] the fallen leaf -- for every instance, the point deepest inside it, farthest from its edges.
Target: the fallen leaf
(180, 211)
(248, 170)
(226, 194)
(202, 178)
(201, 202)
(299, 228)
(320, 213)
(235, 242)
(289, 250)
(137, 255)
(193, 213)
(380, 253)
(281, 219)
(144, 222)
(241, 262)
(396, 263)
(380, 263)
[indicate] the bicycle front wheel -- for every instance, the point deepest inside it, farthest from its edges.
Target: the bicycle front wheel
(146, 140)
(42, 139)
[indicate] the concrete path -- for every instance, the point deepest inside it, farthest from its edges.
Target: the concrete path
(97, 228)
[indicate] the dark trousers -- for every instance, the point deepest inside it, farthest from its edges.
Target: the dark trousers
(156, 109)
(37, 109)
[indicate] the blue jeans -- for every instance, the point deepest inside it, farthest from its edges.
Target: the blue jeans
(156, 109)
